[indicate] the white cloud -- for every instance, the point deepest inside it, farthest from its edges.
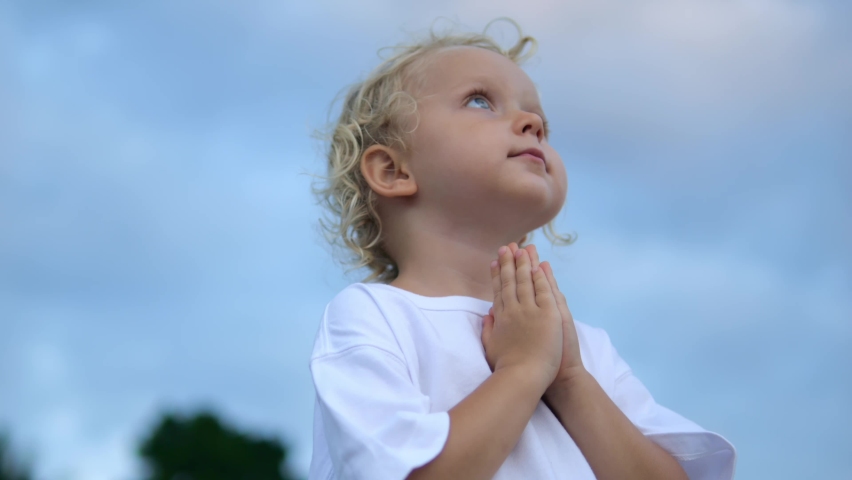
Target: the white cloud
(720, 289)
(213, 218)
(721, 26)
(663, 78)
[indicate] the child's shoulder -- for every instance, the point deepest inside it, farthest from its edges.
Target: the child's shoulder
(357, 306)
(597, 351)
(352, 318)
(359, 294)
(591, 334)
(367, 298)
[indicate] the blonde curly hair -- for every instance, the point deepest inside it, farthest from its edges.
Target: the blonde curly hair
(372, 114)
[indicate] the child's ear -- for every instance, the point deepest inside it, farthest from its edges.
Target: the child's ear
(387, 174)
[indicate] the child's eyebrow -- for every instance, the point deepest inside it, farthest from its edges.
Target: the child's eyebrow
(477, 81)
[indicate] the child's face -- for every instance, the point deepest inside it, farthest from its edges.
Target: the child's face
(478, 110)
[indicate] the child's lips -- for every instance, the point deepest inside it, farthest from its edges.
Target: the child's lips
(533, 154)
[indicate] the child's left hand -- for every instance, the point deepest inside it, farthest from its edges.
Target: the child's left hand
(572, 364)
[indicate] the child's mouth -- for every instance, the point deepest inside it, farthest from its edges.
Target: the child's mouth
(533, 154)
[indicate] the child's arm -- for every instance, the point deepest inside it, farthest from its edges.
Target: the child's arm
(523, 346)
(612, 445)
(485, 426)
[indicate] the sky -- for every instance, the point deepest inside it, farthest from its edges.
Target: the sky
(158, 239)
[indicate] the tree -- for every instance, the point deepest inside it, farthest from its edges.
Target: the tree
(10, 467)
(202, 448)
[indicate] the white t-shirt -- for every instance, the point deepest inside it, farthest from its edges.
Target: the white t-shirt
(389, 364)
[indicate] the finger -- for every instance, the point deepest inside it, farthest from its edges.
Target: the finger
(491, 311)
(561, 302)
(548, 273)
(508, 290)
(533, 255)
(496, 285)
(552, 279)
(514, 248)
(525, 287)
(487, 327)
(543, 290)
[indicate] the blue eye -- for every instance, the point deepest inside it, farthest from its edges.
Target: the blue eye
(480, 102)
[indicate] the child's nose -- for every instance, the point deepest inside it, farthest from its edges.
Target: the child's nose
(529, 122)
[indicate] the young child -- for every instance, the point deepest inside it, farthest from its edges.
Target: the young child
(458, 358)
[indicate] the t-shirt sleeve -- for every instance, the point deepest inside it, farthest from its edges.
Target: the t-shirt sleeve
(377, 423)
(703, 455)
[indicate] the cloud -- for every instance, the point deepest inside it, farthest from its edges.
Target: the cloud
(731, 342)
(160, 249)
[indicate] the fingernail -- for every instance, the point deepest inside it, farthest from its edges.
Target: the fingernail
(502, 250)
(535, 269)
(519, 252)
(493, 263)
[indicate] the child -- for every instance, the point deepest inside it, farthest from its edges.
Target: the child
(458, 356)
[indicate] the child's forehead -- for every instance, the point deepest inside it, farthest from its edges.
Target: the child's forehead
(455, 67)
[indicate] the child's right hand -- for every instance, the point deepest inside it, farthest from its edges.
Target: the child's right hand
(525, 331)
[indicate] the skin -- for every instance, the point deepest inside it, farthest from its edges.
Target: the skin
(450, 201)
(454, 197)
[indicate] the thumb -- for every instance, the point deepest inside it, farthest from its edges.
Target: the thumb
(487, 327)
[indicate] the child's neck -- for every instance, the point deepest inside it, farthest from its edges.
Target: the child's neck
(438, 259)
(440, 291)
(444, 267)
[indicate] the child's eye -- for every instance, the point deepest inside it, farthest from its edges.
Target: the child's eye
(479, 101)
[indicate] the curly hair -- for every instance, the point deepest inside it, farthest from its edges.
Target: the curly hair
(371, 114)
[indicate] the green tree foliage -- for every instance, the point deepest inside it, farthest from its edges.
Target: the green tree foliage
(202, 448)
(11, 468)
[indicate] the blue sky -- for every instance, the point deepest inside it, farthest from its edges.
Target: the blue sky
(158, 246)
